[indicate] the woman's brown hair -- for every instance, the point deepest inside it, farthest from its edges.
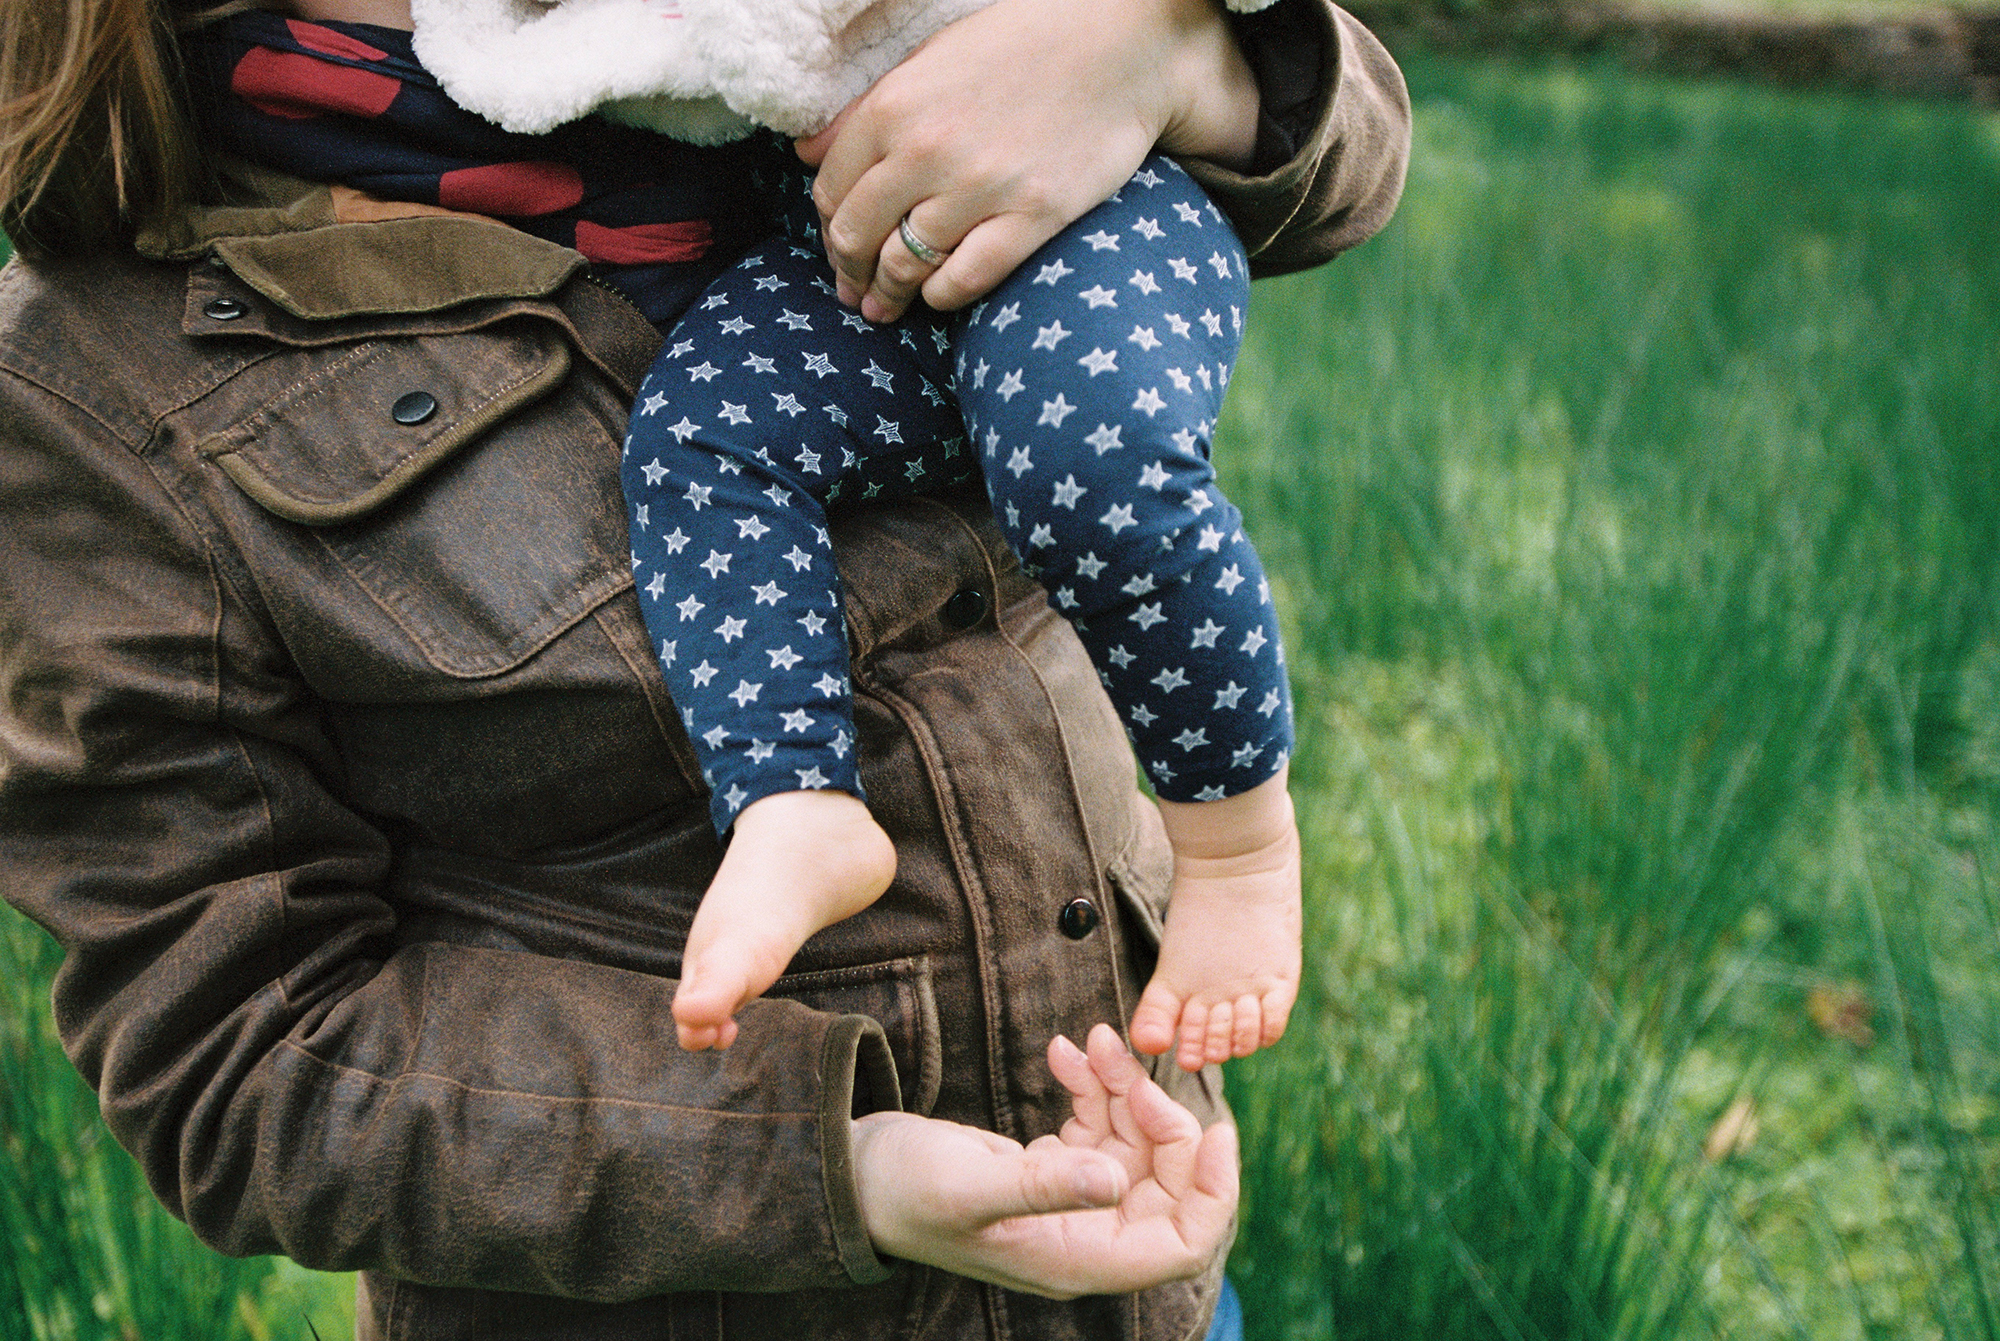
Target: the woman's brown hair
(94, 135)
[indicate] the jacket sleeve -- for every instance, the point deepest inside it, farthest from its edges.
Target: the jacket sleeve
(292, 1079)
(1333, 138)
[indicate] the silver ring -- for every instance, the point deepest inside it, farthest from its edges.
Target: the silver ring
(919, 248)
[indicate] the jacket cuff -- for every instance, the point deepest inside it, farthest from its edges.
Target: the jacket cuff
(858, 1077)
(1333, 138)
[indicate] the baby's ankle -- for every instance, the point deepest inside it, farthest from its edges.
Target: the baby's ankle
(1256, 821)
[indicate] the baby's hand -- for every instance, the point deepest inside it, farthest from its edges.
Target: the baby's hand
(1229, 961)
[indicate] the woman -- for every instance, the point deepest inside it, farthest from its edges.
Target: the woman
(334, 755)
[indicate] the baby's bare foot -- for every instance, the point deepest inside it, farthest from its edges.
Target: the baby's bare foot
(799, 861)
(1229, 959)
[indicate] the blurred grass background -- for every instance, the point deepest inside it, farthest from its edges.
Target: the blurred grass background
(1631, 503)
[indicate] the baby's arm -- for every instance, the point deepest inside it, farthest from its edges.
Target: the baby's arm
(1229, 961)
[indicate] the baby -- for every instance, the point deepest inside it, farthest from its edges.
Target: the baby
(1083, 391)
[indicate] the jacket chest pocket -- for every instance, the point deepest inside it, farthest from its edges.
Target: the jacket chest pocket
(440, 478)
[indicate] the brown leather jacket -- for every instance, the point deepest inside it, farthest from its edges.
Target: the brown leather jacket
(332, 751)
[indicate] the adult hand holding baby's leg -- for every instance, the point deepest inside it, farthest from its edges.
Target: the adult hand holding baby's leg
(1229, 959)
(1131, 1194)
(1008, 125)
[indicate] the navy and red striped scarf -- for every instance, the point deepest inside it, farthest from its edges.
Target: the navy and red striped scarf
(349, 103)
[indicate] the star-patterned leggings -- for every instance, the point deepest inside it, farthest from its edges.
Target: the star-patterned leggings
(1084, 389)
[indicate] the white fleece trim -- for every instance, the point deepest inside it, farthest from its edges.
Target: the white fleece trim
(699, 70)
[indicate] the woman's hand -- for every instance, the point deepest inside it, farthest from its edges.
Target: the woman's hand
(1131, 1194)
(1009, 124)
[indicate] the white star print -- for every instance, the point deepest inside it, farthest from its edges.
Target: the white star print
(1149, 229)
(760, 750)
(854, 320)
(829, 684)
(1098, 296)
(1066, 598)
(1049, 336)
(715, 735)
(1041, 537)
(703, 673)
(1188, 213)
(1053, 271)
(676, 541)
(684, 348)
(797, 321)
(1185, 440)
(1149, 401)
(818, 364)
(1231, 578)
(684, 430)
(1199, 502)
(713, 300)
(1253, 641)
(1192, 740)
(768, 594)
(798, 559)
(735, 414)
(1068, 492)
(1211, 322)
(1212, 792)
(1211, 539)
(1139, 585)
(1100, 361)
(889, 430)
(658, 586)
(697, 494)
(771, 283)
(1182, 382)
(1182, 270)
(811, 779)
(1220, 264)
(689, 608)
(1153, 477)
(788, 404)
(654, 404)
(1055, 411)
(703, 372)
(814, 623)
(1006, 317)
(1245, 755)
(735, 796)
(736, 326)
(841, 740)
(1148, 178)
(1143, 715)
(1206, 635)
(1010, 386)
(1105, 438)
(808, 459)
(1170, 680)
(1272, 702)
(1179, 325)
(1090, 565)
(1143, 337)
(1101, 241)
(780, 497)
(979, 372)
(836, 414)
(750, 528)
(878, 375)
(746, 693)
(1118, 517)
(797, 720)
(1119, 657)
(1147, 615)
(669, 650)
(784, 658)
(653, 471)
(1019, 462)
(716, 564)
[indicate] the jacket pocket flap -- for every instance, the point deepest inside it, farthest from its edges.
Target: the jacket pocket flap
(366, 425)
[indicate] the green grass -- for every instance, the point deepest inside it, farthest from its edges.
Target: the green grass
(1631, 506)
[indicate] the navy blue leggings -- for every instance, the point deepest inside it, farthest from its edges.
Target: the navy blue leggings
(1084, 390)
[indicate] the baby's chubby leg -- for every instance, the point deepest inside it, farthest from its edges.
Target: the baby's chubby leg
(1229, 960)
(799, 862)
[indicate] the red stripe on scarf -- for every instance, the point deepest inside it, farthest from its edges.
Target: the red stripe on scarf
(645, 244)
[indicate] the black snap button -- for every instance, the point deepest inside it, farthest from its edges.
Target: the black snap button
(414, 408)
(966, 607)
(223, 309)
(1078, 919)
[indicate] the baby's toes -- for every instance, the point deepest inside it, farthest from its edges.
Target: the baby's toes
(1192, 1054)
(1221, 1029)
(1249, 1029)
(1276, 1011)
(1154, 1020)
